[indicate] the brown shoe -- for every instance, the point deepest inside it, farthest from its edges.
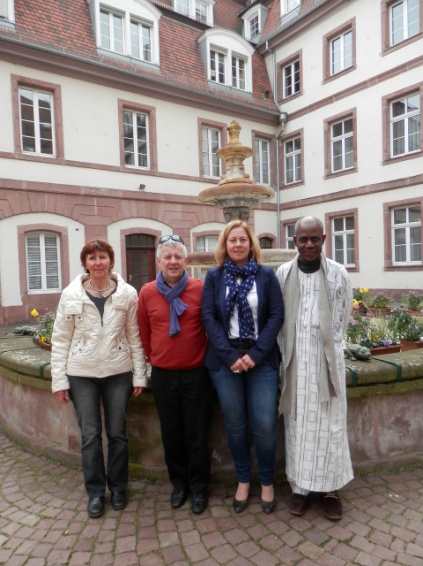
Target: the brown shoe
(298, 504)
(332, 506)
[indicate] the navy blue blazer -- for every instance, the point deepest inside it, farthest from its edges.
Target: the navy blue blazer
(270, 319)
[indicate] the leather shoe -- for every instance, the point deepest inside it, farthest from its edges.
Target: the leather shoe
(332, 506)
(297, 504)
(95, 507)
(178, 497)
(268, 506)
(199, 502)
(240, 505)
(119, 500)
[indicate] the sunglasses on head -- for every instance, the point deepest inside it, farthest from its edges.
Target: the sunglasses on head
(173, 237)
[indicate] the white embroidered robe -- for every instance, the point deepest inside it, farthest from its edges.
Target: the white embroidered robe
(316, 444)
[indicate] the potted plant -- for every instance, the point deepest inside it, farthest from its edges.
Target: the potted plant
(358, 328)
(413, 300)
(413, 337)
(384, 338)
(358, 296)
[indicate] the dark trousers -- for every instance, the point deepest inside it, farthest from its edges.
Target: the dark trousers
(86, 394)
(183, 401)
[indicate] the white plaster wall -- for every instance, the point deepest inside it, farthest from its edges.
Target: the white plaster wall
(6, 129)
(9, 253)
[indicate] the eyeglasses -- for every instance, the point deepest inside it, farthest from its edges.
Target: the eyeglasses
(173, 237)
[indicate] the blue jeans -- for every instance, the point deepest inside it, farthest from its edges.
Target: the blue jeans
(86, 394)
(250, 397)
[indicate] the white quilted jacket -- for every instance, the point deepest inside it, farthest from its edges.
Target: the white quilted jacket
(83, 345)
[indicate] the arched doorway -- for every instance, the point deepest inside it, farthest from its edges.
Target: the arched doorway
(140, 259)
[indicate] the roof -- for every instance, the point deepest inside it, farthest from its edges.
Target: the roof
(63, 27)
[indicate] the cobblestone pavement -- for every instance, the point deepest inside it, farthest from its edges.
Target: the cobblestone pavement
(43, 521)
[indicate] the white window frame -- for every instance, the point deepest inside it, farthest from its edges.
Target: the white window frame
(195, 8)
(43, 262)
(288, 6)
(144, 52)
(111, 17)
(134, 114)
(408, 8)
(341, 141)
(406, 119)
(239, 71)
(294, 87)
(406, 228)
(37, 121)
(262, 160)
(346, 236)
(205, 243)
(139, 12)
(7, 10)
(345, 57)
(289, 236)
(293, 160)
(211, 163)
(218, 64)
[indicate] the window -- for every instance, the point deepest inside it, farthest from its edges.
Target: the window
(132, 33)
(343, 240)
(291, 79)
(293, 166)
(405, 125)
(289, 5)
(406, 235)
(238, 72)
(404, 20)
(262, 161)
(339, 47)
(342, 145)
(36, 114)
(265, 243)
(135, 138)
(210, 139)
(43, 262)
(206, 243)
(141, 41)
(217, 67)
(289, 236)
(341, 52)
(254, 26)
(201, 10)
(227, 58)
(7, 11)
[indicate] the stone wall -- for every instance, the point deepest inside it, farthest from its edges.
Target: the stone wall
(385, 427)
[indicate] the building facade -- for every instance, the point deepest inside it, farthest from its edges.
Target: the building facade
(111, 114)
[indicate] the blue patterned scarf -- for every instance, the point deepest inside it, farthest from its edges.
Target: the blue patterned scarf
(238, 294)
(177, 307)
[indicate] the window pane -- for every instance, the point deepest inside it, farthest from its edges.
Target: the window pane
(414, 214)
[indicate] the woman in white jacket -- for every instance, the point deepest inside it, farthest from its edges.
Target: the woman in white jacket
(96, 356)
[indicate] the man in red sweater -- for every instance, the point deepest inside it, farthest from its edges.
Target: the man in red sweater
(174, 340)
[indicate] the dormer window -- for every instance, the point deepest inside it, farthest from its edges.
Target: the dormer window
(128, 28)
(7, 11)
(254, 20)
(288, 6)
(228, 59)
(200, 10)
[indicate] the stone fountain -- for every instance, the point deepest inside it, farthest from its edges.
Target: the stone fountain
(236, 193)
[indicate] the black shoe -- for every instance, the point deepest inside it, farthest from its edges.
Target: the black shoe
(178, 497)
(199, 502)
(240, 506)
(268, 506)
(119, 500)
(95, 507)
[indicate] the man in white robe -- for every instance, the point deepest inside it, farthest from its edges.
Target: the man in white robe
(318, 298)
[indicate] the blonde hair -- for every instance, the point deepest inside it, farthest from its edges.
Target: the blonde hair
(220, 252)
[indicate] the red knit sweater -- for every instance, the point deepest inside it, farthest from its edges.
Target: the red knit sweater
(184, 351)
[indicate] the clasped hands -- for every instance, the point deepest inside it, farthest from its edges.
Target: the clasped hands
(242, 364)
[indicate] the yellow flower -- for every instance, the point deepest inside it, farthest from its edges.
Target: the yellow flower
(43, 339)
(355, 302)
(34, 312)
(364, 290)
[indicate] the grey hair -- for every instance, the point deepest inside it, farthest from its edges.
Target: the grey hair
(171, 244)
(308, 220)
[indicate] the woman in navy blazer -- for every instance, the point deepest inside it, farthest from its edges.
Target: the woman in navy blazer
(242, 311)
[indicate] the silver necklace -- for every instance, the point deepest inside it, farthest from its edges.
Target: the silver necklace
(100, 291)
